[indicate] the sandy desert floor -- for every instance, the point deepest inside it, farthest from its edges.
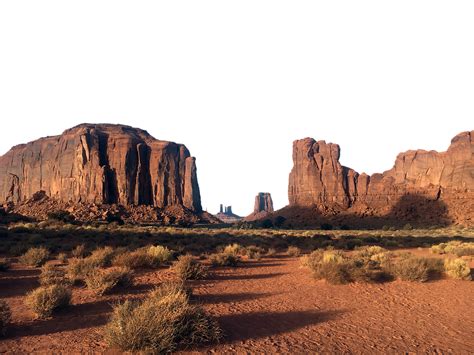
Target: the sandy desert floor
(268, 306)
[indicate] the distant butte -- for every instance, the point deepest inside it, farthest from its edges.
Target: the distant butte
(262, 208)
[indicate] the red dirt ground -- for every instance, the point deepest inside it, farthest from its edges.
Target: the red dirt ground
(269, 306)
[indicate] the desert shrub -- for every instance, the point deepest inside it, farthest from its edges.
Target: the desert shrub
(62, 257)
(368, 252)
(52, 275)
(44, 300)
(159, 254)
(79, 251)
(334, 272)
(235, 249)
(311, 260)
(408, 226)
(5, 317)
(35, 257)
(254, 252)
(224, 259)
(171, 287)
(186, 268)
(102, 281)
(410, 268)
(293, 251)
(133, 260)
(336, 268)
(160, 323)
(4, 264)
(457, 269)
(78, 268)
(454, 247)
(271, 252)
(103, 256)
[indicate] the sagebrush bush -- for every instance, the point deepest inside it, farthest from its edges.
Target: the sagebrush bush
(411, 268)
(368, 252)
(336, 268)
(234, 249)
(78, 268)
(102, 256)
(79, 251)
(4, 264)
(44, 300)
(454, 247)
(293, 251)
(35, 257)
(159, 254)
(62, 257)
(133, 260)
(457, 269)
(224, 259)
(102, 281)
(52, 275)
(271, 252)
(186, 268)
(160, 323)
(5, 317)
(254, 252)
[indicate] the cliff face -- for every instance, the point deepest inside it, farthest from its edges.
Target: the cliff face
(319, 180)
(263, 203)
(102, 163)
(263, 207)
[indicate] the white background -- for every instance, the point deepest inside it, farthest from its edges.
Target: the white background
(238, 81)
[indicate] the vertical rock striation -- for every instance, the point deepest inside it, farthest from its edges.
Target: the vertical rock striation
(103, 164)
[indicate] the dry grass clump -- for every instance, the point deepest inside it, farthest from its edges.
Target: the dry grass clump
(457, 269)
(234, 249)
(411, 268)
(79, 268)
(253, 252)
(133, 260)
(454, 247)
(102, 281)
(160, 323)
(224, 259)
(337, 268)
(79, 251)
(293, 251)
(4, 264)
(186, 268)
(35, 257)
(52, 275)
(159, 254)
(271, 252)
(62, 257)
(148, 257)
(5, 317)
(102, 257)
(44, 300)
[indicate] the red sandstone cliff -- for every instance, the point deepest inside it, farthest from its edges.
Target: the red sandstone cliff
(318, 180)
(102, 164)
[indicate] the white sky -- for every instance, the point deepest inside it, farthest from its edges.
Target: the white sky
(238, 81)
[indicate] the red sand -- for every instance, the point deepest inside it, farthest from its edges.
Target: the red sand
(270, 306)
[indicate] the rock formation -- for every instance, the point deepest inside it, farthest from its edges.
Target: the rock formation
(318, 180)
(262, 208)
(227, 216)
(102, 164)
